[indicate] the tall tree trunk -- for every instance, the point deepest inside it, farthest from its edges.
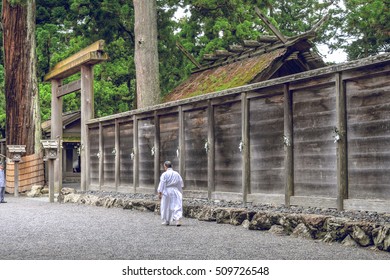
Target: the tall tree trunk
(23, 123)
(146, 53)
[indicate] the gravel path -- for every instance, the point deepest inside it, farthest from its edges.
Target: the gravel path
(33, 228)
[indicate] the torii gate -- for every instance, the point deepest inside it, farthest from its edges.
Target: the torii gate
(83, 62)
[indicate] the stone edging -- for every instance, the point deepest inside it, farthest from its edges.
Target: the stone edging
(312, 226)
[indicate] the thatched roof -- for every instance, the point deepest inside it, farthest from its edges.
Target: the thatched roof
(252, 62)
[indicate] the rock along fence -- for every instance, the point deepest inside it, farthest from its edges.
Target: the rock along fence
(328, 228)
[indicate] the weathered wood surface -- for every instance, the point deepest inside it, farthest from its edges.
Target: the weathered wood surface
(31, 172)
(146, 152)
(266, 145)
(109, 155)
(314, 119)
(195, 133)
(69, 88)
(93, 155)
(218, 120)
(368, 109)
(169, 140)
(126, 158)
(90, 55)
(74, 66)
(370, 62)
(87, 113)
(228, 160)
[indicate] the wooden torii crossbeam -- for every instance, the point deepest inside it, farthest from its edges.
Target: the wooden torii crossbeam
(91, 55)
(82, 62)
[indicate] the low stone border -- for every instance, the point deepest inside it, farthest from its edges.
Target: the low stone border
(326, 228)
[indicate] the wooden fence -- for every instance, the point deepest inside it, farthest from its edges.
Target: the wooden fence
(31, 172)
(318, 138)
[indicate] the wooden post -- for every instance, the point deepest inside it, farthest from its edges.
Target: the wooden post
(16, 178)
(87, 113)
(156, 150)
(117, 155)
(246, 148)
(342, 156)
(51, 179)
(181, 144)
(101, 156)
(88, 160)
(211, 150)
(56, 132)
(288, 144)
(136, 154)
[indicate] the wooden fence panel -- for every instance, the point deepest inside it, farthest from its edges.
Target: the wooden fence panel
(266, 144)
(126, 155)
(109, 156)
(31, 172)
(228, 158)
(169, 140)
(94, 159)
(195, 130)
(315, 162)
(146, 152)
(368, 108)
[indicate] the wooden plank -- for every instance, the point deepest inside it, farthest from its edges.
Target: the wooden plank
(371, 71)
(229, 196)
(195, 130)
(75, 65)
(69, 88)
(373, 205)
(228, 138)
(367, 190)
(289, 144)
(319, 202)
(261, 198)
(126, 154)
(147, 130)
(93, 168)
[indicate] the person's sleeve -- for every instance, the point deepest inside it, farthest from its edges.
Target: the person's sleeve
(161, 185)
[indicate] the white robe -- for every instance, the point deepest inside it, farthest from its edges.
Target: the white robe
(171, 187)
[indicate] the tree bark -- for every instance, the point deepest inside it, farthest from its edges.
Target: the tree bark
(146, 53)
(23, 123)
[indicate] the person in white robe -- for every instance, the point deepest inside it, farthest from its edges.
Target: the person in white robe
(170, 191)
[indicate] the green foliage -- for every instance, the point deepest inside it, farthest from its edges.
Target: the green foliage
(64, 27)
(368, 26)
